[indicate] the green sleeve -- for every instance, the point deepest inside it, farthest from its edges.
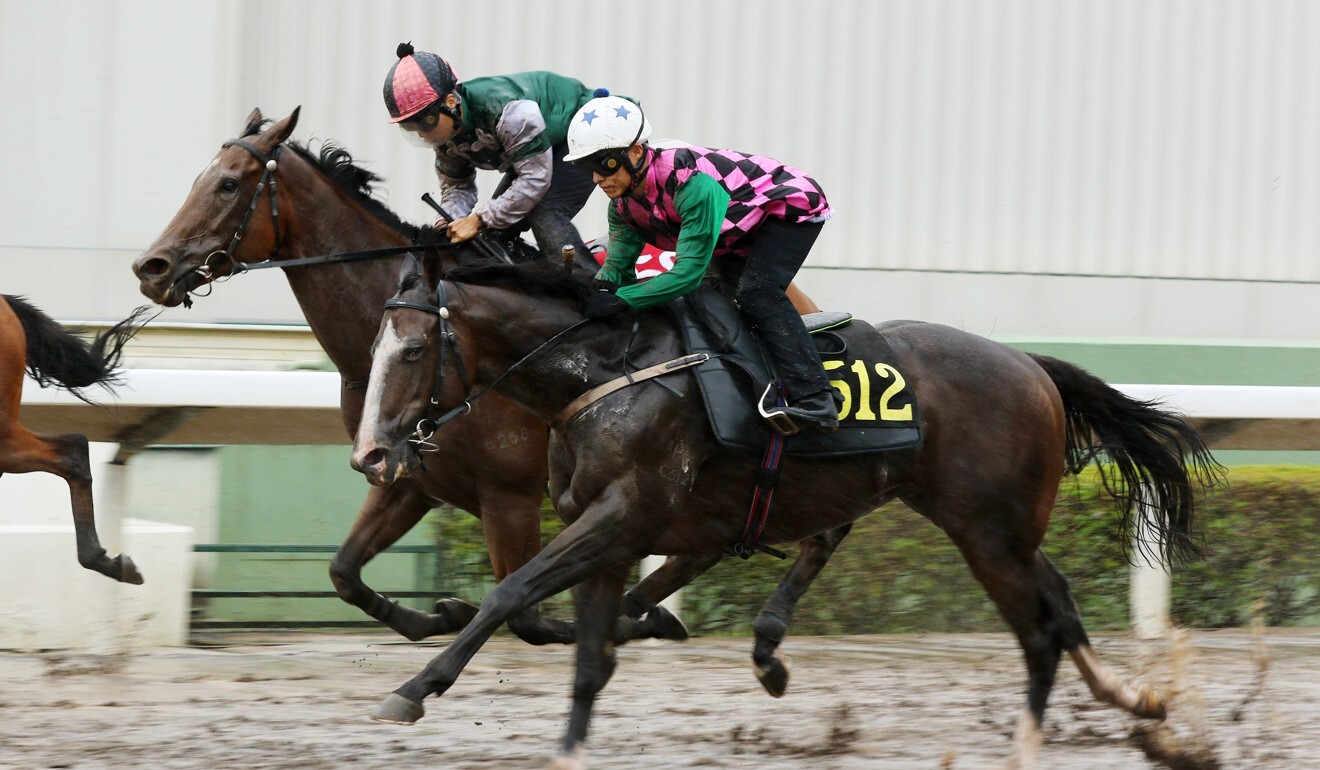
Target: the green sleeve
(625, 247)
(701, 204)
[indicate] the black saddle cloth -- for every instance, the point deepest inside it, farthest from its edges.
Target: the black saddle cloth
(879, 411)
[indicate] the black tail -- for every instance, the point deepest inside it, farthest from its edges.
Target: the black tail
(59, 358)
(1157, 462)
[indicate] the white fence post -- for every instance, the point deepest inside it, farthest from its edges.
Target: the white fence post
(1149, 581)
(674, 602)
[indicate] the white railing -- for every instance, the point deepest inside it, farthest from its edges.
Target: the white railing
(302, 407)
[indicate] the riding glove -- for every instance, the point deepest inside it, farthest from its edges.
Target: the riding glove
(603, 303)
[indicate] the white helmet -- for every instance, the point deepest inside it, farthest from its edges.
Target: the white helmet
(606, 123)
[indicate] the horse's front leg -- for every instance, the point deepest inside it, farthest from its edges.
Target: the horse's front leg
(511, 522)
(602, 538)
(597, 600)
(771, 623)
(386, 515)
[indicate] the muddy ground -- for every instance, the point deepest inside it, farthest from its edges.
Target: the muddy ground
(1237, 700)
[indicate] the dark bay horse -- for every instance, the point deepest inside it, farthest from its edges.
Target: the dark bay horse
(31, 341)
(493, 465)
(1000, 428)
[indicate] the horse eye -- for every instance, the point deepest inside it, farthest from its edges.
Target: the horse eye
(413, 353)
(229, 185)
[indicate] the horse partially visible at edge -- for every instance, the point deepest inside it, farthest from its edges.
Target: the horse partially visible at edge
(31, 341)
(1000, 429)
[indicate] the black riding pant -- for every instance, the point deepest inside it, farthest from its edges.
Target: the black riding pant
(759, 284)
(551, 220)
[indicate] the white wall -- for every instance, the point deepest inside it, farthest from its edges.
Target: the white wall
(63, 606)
(971, 145)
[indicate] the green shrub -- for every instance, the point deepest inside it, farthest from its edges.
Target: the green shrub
(896, 572)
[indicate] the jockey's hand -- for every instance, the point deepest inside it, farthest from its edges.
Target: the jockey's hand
(441, 224)
(604, 303)
(464, 228)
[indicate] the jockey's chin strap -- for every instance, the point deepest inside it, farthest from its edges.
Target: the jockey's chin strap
(427, 426)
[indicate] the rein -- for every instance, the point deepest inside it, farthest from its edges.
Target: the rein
(217, 259)
(427, 426)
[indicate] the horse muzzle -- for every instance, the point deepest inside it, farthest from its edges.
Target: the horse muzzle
(167, 278)
(381, 465)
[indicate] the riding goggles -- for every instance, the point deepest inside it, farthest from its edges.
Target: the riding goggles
(604, 162)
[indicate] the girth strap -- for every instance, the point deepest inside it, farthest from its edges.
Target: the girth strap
(632, 378)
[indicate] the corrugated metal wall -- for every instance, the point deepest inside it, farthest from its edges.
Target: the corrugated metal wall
(1167, 138)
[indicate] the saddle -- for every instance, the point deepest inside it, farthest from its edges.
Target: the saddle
(879, 412)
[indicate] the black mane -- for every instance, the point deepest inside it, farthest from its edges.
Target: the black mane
(338, 166)
(539, 278)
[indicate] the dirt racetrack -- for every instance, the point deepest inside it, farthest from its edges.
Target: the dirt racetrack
(1237, 700)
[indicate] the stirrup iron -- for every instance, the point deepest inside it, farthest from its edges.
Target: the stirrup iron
(779, 420)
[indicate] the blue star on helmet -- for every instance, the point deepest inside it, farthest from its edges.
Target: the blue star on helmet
(589, 116)
(621, 112)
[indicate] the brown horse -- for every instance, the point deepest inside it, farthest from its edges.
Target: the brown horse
(31, 341)
(1000, 428)
(493, 465)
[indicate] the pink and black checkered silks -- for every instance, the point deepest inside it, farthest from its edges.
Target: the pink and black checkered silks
(758, 187)
(416, 81)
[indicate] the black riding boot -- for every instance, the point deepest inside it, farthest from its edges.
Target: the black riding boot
(811, 399)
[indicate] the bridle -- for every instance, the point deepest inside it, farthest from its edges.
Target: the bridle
(428, 425)
(223, 258)
(266, 183)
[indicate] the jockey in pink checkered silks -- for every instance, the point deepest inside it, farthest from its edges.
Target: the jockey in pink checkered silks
(749, 218)
(512, 123)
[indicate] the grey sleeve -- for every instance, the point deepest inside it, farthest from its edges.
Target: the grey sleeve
(521, 131)
(458, 186)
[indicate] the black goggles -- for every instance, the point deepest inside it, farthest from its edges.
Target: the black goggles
(604, 162)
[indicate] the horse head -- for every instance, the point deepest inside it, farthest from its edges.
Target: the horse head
(230, 215)
(417, 372)
(511, 326)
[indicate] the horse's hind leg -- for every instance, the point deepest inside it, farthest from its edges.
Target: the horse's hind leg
(511, 521)
(643, 617)
(66, 456)
(386, 515)
(771, 623)
(1137, 698)
(597, 600)
(1012, 578)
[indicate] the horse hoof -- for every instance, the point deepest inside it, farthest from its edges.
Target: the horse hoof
(668, 625)
(1149, 704)
(128, 571)
(456, 612)
(575, 761)
(774, 675)
(398, 710)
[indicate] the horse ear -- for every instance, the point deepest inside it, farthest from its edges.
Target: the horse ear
(410, 266)
(253, 118)
(281, 130)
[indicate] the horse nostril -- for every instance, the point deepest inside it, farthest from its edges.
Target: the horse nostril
(374, 458)
(152, 268)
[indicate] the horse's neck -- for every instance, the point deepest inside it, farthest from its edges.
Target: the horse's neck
(579, 361)
(342, 302)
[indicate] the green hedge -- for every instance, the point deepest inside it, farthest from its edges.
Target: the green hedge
(898, 573)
